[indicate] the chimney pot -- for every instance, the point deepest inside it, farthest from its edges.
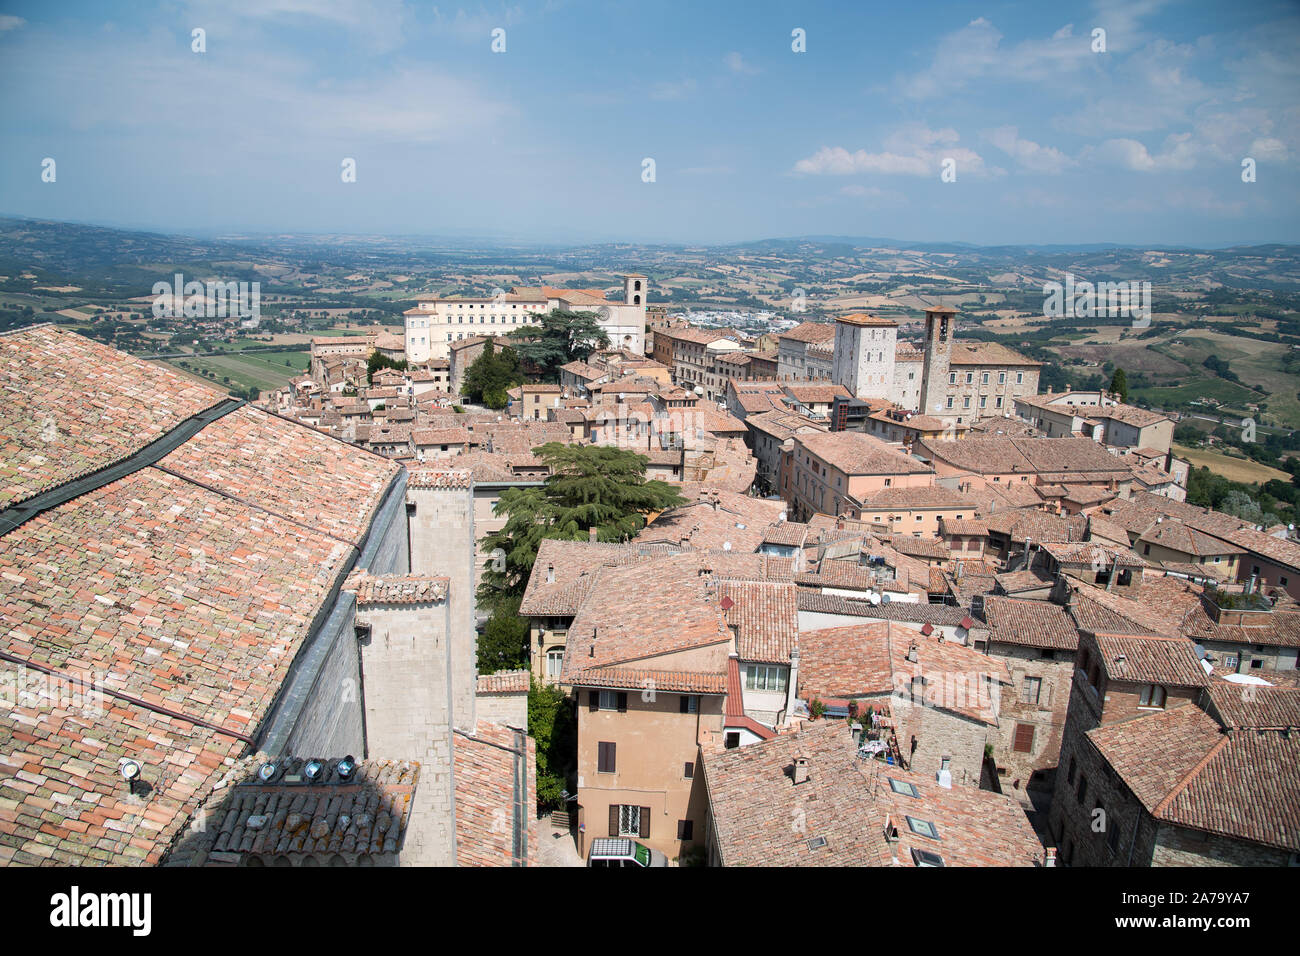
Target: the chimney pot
(800, 770)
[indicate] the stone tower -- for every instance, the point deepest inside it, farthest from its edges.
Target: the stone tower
(634, 289)
(864, 354)
(940, 324)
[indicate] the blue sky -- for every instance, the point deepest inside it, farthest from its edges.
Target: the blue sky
(1052, 142)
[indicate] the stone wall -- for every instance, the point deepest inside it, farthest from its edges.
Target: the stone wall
(406, 664)
(442, 530)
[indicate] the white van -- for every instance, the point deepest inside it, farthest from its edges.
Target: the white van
(608, 851)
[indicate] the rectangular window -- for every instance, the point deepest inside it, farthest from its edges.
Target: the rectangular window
(554, 662)
(1020, 378)
(1153, 695)
(629, 821)
(923, 827)
(763, 677)
(608, 700)
(902, 787)
(688, 704)
(1030, 690)
(606, 761)
(689, 772)
(685, 829)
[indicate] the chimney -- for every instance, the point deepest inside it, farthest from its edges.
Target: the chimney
(800, 770)
(1050, 858)
(591, 535)
(911, 653)
(550, 574)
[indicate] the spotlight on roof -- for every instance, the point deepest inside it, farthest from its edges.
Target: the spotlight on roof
(313, 770)
(266, 771)
(129, 769)
(347, 767)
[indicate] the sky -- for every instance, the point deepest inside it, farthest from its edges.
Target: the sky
(691, 122)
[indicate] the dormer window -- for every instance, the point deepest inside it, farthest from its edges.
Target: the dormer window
(1153, 695)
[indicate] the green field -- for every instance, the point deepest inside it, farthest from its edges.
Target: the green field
(261, 370)
(1173, 396)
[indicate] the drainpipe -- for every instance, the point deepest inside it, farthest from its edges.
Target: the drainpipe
(792, 684)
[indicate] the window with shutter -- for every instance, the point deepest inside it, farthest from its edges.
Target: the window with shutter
(645, 822)
(685, 829)
(593, 700)
(605, 757)
(622, 702)
(1024, 738)
(614, 809)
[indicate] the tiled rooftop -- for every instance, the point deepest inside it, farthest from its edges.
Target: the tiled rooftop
(837, 817)
(855, 453)
(189, 586)
(1189, 770)
(70, 406)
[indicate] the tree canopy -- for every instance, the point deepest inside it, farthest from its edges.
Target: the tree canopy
(557, 338)
(491, 376)
(378, 360)
(1119, 384)
(590, 486)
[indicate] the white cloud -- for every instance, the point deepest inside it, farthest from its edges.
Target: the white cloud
(1028, 154)
(10, 23)
(1179, 152)
(914, 150)
(976, 52)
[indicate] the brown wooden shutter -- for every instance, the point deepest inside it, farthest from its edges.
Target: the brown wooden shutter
(605, 757)
(593, 700)
(683, 704)
(613, 819)
(1024, 738)
(645, 822)
(622, 702)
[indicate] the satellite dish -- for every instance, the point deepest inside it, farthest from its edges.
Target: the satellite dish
(873, 597)
(726, 546)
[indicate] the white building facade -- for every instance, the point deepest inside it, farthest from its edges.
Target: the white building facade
(434, 324)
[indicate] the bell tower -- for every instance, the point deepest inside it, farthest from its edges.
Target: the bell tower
(634, 289)
(940, 324)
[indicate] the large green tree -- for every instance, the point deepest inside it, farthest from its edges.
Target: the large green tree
(557, 338)
(590, 486)
(553, 724)
(491, 376)
(503, 645)
(1119, 384)
(378, 360)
